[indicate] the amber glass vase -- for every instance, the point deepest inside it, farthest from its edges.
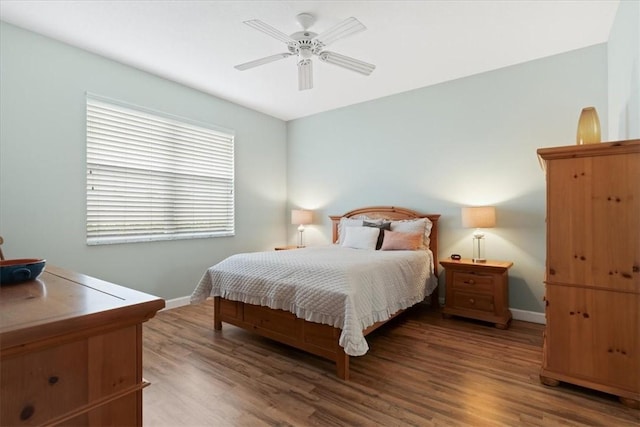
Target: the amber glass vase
(588, 127)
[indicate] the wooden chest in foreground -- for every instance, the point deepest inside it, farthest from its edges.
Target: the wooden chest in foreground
(71, 351)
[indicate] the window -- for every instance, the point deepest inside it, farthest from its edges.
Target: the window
(152, 176)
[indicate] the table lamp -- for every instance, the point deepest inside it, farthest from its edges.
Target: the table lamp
(301, 217)
(479, 217)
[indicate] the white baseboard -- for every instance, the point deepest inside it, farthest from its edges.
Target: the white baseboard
(526, 316)
(176, 302)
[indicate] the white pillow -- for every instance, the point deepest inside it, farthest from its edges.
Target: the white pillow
(421, 225)
(344, 223)
(361, 237)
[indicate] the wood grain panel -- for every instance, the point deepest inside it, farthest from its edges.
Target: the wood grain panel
(587, 347)
(47, 384)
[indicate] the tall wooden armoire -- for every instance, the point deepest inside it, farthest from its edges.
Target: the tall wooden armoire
(592, 337)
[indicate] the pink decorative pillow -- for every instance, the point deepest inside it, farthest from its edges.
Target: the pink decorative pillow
(394, 240)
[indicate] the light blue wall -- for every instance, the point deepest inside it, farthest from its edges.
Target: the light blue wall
(466, 142)
(42, 165)
(624, 72)
(471, 141)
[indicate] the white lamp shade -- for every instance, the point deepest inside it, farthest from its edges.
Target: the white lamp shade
(301, 216)
(479, 217)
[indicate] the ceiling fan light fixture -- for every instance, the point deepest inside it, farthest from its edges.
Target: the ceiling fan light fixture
(305, 53)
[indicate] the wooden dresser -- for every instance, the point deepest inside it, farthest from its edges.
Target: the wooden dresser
(592, 278)
(71, 351)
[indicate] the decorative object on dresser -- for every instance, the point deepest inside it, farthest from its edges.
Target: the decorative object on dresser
(478, 291)
(588, 127)
(20, 270)
(301, 217)
(71, 351)
(321, 313)
(479, 217)
(592, 336)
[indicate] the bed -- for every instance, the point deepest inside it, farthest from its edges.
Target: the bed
(308, 299)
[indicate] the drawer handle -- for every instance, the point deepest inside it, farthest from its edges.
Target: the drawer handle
(472, 301)
(53, 380)
(470, 282)
(27, 412)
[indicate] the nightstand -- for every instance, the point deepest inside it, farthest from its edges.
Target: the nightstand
(478, 290)
(286, 248)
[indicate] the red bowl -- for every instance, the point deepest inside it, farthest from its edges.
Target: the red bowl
(20, 270)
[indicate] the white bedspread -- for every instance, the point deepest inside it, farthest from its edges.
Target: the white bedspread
(350, 289)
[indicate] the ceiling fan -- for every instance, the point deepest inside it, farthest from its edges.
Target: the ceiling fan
(307, 44)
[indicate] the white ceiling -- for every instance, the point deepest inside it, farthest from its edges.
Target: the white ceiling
(412, 43)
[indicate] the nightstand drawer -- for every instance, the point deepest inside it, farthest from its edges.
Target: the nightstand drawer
(473, 282)
(471, 301)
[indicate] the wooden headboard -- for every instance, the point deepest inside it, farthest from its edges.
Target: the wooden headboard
(395, 214)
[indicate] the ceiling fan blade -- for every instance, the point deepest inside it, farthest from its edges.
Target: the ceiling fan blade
(269, 30)
(305, 74)
(262, 61)
(346, 28)
(347, 62)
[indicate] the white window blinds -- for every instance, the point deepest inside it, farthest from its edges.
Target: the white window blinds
(154, 177)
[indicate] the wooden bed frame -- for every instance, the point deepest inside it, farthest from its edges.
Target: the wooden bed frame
(316, 338)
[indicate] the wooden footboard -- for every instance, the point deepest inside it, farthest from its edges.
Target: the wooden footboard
(282, 326)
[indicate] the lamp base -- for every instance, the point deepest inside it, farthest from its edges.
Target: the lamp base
(478, 248)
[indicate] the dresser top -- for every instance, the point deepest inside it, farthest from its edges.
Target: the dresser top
(60, 302)
(589, 150)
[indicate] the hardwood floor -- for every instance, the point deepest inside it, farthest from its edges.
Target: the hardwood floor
(420, 370)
